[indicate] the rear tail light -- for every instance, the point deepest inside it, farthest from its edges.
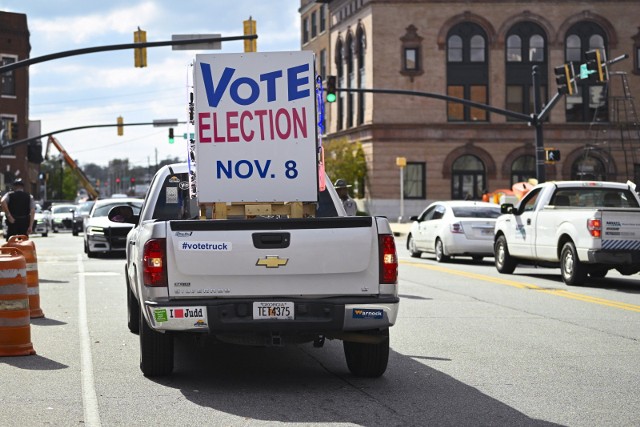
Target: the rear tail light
(388, 259)
(594, 225)
(154, 266)
(456, 228)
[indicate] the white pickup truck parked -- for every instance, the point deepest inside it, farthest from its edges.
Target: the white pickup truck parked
(585, 227)
(266, 281)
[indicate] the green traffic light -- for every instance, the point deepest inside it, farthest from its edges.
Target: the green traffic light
(331, 97)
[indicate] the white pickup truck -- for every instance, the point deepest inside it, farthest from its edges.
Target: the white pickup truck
(585, 227)
(265, 281)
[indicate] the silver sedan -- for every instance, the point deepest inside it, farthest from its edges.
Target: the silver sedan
(454, 228)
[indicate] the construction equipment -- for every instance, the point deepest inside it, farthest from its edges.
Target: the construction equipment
(93, 193)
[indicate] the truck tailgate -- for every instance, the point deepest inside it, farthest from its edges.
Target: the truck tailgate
(288, 257)
(621, 229)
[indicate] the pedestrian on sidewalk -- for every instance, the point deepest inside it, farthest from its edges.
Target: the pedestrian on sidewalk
(19, 209)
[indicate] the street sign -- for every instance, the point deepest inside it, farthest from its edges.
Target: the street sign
(195, 45)
(165, 123)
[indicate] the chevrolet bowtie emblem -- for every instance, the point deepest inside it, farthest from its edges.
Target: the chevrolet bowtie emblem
(271, 261)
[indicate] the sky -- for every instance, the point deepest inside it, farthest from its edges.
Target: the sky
(96, 88)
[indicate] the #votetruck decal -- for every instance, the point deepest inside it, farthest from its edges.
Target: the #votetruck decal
(255, 127)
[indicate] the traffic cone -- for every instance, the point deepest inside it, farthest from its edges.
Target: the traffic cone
(15, 324)
(28, 249)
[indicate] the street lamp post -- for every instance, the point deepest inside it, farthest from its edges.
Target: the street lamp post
(401, 162)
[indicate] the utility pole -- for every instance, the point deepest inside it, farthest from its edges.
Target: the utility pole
(537, 123)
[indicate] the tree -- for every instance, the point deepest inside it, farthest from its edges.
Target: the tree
(346, 160)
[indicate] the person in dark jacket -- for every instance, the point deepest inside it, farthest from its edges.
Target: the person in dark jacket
(19, 209)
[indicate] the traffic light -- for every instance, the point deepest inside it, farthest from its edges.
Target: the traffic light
(250, 29)
(140, 54)
(565, 79)
(594, 66)
(120, 122)
(132, 180)
(12, 131)
(171, 138)
(331, 89)
(552, 155)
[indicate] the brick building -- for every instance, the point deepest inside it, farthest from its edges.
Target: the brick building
(14, 102)
(482, 51)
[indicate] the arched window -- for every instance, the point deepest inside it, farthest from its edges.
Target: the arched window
(467, 71)
(468, 178)
(361, 41)
(339, 60)
(514, 48)
(523, 168)
(589, 104)
(526, 47)
(351, 79)
(589, 168)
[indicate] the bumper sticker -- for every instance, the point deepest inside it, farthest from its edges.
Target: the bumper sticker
(361, 313)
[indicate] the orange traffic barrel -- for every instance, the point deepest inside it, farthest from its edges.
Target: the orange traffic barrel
(15, 323)
(28, 249)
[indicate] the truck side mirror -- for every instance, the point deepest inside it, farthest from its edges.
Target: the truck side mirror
(122, 214)
(413, 218)
(506, 208)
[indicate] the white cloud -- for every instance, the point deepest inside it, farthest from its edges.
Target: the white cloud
(80, 29)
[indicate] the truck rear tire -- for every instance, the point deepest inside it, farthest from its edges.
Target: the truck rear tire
(133, 311)
(505, 263)
(368, 360)
(573, 272)
(411, 245)
(156, 351)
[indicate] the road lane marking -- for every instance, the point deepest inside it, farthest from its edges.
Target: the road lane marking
(89, 398)
(556, 292)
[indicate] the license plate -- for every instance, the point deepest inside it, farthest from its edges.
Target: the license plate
(273, 310)
(487, 232)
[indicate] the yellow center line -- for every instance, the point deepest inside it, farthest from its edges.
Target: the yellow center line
(506, 282)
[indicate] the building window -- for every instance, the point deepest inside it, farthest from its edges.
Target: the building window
(314, 25)
(350, 79)
(589, 104)
(523, 168)
(8, 81)
(468, 178)
(323, 18)
(414, 176)
(323, 64)
(305, 31)
(5, 124)
(454, 49)
(339, 61)
(410, 59)
(411, 51)
(514, 48)
(588, 168)
(467, 71)
(526, 47)
(361, 41)
(636, 53)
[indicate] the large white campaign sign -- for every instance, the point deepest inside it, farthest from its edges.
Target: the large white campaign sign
(255, 127)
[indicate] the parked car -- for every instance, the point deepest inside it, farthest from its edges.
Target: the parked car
(102, 235)
(82, 211)
(62, 216)
(41, 221)
(454, 228)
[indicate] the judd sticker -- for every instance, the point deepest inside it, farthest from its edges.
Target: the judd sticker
(361, 313)
(182, 317)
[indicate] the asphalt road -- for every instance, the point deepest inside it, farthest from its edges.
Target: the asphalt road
(471, 347)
